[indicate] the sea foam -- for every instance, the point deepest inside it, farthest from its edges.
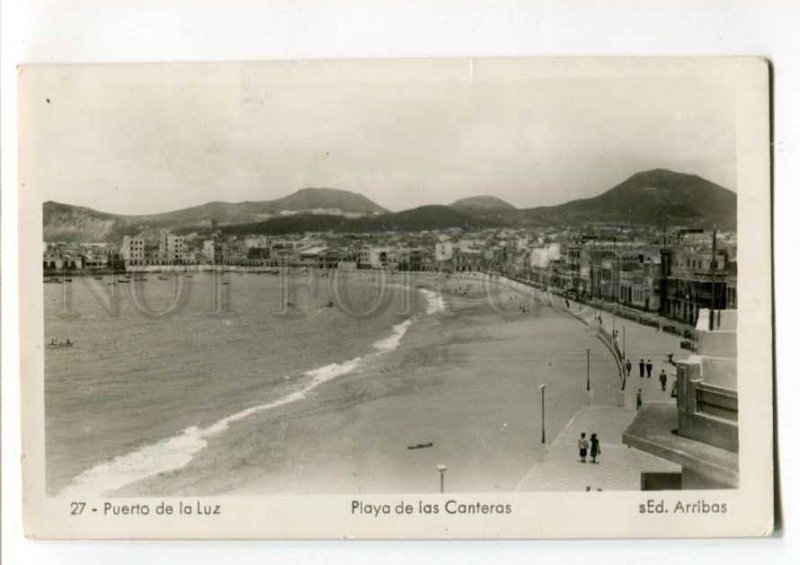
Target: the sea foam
(393, 341)
(173, 453)
(436, 303)
(178, 451)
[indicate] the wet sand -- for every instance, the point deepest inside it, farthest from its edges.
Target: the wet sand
(466, 380)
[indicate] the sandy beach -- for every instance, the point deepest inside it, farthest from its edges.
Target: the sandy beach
(464, 380)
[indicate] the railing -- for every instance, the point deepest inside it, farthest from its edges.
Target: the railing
(603, 335)
(611, 343)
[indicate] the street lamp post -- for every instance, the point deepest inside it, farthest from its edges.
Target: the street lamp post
(623, 341)
(541, 388)
(588, 382)
(441, 469)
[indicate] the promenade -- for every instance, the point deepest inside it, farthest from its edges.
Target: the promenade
(619, 467)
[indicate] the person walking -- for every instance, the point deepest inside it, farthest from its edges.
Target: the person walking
(639, 399)
(583, 446)
(628, 367)
(594, 449)
(641, 368)
(662, 377)
(649, 368)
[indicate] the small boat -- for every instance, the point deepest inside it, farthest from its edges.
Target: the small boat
(188, 275)
(163, 278)
(60, 344)
(421, 445)
(124, 281)
(98, 278)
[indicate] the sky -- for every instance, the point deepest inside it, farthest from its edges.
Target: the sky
(139, 139)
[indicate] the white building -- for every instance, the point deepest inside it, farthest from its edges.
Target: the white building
(208, 250)
(377, 257)
(171, 248)
(256, 242)
(133, 250)
(541, 257)
(443, 251)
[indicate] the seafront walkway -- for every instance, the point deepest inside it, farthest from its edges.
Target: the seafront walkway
(619, 467)
(608, 409)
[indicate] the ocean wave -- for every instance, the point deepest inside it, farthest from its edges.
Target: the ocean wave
(393, 341)
(436, 303)
(178, 451)
(167, 455)
(173, 453)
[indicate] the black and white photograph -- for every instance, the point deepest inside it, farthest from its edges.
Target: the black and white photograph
(436, 277)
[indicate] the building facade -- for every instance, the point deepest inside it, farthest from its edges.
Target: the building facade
(172, 249)
(133, 250)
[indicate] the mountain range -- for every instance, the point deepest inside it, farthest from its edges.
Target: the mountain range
(657, 197)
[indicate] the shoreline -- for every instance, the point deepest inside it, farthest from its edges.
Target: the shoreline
(463, 380)
(172, 453)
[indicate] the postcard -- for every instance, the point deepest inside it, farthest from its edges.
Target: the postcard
(433, 298)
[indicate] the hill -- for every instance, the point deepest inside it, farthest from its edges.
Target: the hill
(329, 200)
(656, 197)
(423, 218)
(483, 202)
(63, 222)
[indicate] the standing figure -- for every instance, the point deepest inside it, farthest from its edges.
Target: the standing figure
(628, 367)
(639, 399)
(594, 450)
(662, 377)
(641, 368)
(583, 446)
(649, 368)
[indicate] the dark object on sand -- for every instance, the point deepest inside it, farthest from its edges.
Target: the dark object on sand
(421, 445)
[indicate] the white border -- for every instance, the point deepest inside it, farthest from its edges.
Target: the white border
(99, 31)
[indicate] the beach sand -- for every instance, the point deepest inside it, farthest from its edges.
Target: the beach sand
(465, 379)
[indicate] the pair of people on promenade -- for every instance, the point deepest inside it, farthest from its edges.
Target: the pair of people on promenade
(592, 446)
(648, 366)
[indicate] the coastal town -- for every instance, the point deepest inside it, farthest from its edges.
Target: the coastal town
(672, 287)
(670, 272)
(678, 281)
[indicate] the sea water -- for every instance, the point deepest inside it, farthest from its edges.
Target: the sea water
(146, 384)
